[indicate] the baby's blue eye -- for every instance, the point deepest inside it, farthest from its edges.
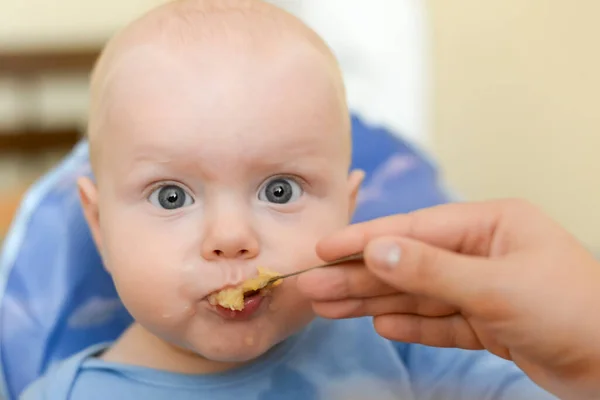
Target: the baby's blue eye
(280, 191)
(170, 197)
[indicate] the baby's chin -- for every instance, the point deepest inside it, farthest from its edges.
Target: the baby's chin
(233, 343)
(239, 349)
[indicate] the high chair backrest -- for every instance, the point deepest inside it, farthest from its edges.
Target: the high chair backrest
(55, 296)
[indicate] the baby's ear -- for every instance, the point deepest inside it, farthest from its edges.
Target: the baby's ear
(355, 180)
(88, 195)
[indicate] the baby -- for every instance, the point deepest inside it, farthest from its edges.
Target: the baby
(220, 142)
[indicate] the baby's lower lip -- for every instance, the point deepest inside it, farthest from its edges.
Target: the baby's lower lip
(251, 305)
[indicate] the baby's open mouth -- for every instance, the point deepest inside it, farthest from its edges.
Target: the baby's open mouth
(233, 298)
(251, 293)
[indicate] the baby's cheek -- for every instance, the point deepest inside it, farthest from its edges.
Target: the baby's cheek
(149, 297)
(147, 284)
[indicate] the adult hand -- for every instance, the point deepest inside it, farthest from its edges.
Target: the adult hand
(498, 275)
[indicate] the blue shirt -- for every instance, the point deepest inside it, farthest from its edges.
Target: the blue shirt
(329, 360)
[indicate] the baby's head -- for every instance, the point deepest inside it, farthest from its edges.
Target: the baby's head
(220, 142)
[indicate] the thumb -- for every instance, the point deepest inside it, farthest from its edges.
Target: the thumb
(418, 268)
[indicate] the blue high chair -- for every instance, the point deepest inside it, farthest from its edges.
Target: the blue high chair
(55, 297)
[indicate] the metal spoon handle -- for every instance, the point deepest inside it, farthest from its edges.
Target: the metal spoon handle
(350, 258)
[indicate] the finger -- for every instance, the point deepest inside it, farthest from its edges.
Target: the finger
(381, 305)
(342, 282)
(417, 268)
(447, 331)
(467, 228)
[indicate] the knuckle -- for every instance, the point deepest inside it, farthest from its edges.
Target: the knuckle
(415, 331)
(413, 224)
(451, 337)
(330, 310)
(359, 280)
(424, 265)
(405, 329)
(429, 307)
(360, 308)
(338, 285)
(492, 304)
(333, 313)
(411, 304)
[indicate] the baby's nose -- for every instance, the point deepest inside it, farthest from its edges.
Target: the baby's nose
(230, 239)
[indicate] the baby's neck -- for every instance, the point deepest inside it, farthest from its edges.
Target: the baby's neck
(138, 347)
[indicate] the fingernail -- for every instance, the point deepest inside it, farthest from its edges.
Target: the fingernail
(385, 253)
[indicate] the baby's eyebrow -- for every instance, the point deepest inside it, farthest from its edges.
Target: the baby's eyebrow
(149, 165)
(292, 164)
(141, 172)
(158, 156)
(152, 165)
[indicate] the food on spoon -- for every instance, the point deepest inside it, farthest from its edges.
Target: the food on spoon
(233, 298)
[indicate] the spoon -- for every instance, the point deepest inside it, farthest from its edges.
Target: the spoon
(350, 258)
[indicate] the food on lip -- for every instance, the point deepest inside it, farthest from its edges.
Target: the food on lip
(233, 298)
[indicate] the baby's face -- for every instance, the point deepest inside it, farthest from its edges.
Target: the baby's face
(207, 171)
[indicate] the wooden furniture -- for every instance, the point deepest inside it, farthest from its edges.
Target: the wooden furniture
(29, 137)
(26, 67)
(9, 203)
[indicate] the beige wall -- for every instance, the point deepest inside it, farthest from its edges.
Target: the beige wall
(39, 23)
(64, 22)
(517, 103)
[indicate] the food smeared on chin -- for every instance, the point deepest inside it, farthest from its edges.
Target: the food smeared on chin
(233, 298)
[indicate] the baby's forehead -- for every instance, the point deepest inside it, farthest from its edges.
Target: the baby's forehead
(155, 80)
(156, 96)
(204, 63)
(240, 71)
(207, 26)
